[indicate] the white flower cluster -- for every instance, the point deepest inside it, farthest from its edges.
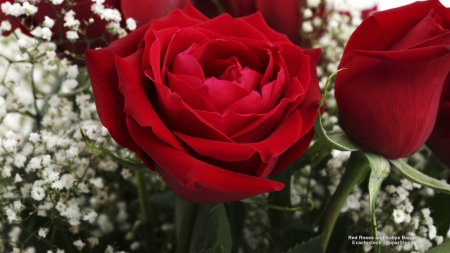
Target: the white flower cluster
(48, 173)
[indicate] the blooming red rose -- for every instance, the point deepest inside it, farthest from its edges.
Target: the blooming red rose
(215, 106)
(397, 61)
(282, 15)
(83, 13)
(439, 140)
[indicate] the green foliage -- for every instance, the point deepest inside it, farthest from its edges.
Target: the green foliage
(312, 246)
(418, 177)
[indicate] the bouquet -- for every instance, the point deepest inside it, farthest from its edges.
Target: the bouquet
(223, 126)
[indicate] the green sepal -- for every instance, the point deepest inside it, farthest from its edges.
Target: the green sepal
(312, 246)
(336, 139)
(418, 177)
(380, 169)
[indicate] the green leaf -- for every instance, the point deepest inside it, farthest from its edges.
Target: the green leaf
(236, 216)
(442, 248)
(380, 170)
(218, 248)
(211, 227)
(338, 139)
(312, 246)
(418, 177)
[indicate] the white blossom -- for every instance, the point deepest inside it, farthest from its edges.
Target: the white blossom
(79, 244)
(399, 216)
(43, 232)
(37, 193)
(48, 22)
(71, 35)
(91, 216)
(131, 24)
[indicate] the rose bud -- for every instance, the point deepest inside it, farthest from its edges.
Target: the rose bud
(439, 140)
(396, 63)
(282, 15)
(215, 106)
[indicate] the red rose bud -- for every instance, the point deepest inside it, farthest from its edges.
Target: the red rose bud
(215, 106)
(439, 140)
(282, 15)
(397, 61)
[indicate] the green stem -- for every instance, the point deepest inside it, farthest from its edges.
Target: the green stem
(146, 211)
(187, 227)
(355, 173)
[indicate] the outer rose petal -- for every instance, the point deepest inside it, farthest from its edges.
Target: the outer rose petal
(144, 11)
(393, 107)
(103, 73)
(282, 15)
(194, 180)
(439, 140)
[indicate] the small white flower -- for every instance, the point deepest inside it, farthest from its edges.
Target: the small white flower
(126, 173)
(72, 35)
(399, 216)
(29, 9)
(406, 184)
(70, 84)
(48, 22)
(402, 193)
(72, 71)
(72, 152)
(13, 9)
(307, 27)
(19, 160)
(439, 239)
(34, 137)
(91, 216)
(57, 2)
(43, 232)
(46, 33)
(37, 32)
(97, 182)
(432, 232)
(79, 244)
(35, 163)
(18, 179)
(18, 206)
(131, 24)
(5, 25)
(426, 212)
(37, 193)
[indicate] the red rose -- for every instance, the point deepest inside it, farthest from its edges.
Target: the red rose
(397, 61)
(83, 13)
(282, 15)
(439, 140)
(215, 106)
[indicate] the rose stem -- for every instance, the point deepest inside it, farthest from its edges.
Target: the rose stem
(145, 211)
(187, 227)
(355, 173)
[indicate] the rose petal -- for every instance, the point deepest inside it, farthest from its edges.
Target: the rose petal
(439, 140)
(134, 88)
(103, 74)
(425, 29)
(278, 141)
(403, 94)
(282, 15)
(194, 180)
(143, 11)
